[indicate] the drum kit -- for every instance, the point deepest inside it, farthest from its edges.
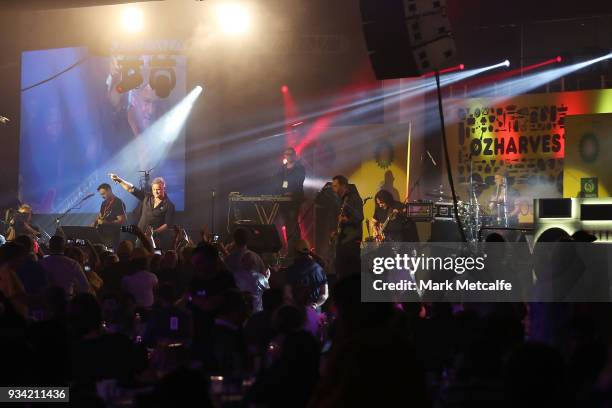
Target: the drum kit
(472, 214)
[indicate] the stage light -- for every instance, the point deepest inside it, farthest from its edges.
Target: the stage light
(284, 89)
(559, 59)
(162, 78)
(527, 83)
(131, 77)
(132, 20)
(507, 63)
(233, 18)
(461, 67)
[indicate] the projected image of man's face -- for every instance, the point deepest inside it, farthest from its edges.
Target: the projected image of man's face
(143, 108)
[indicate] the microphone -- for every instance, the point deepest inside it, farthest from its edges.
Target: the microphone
(431, 158)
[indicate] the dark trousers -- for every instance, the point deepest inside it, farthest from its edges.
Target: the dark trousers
(348, 259)
(289, 213)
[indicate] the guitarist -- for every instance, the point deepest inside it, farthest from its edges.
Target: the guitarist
(111, 216)
(389, 221)
(112, 209)
(349, 233)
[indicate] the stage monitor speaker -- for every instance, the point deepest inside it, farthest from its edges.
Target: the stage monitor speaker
(262, 237)
(74, 232)
(498, 234)
(444, 231)
(407, 38)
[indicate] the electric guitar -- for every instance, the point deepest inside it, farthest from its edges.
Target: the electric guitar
(379, 233)
(335, 237)
(102, 216)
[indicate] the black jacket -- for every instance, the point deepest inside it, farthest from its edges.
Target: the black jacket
(351, 230)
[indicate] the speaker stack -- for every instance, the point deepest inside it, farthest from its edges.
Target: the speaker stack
(407, 38)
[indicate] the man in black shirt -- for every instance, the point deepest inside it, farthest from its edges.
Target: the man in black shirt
(111, 216)
(112, 209)
(290, 180)
(349, 234)
(157, 214)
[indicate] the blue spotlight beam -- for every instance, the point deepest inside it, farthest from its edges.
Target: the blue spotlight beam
(157, 140)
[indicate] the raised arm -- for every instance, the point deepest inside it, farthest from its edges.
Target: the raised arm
(127, 186)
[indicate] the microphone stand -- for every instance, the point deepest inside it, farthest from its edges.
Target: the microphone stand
(212, 213)
(417, 182)
(74, 207)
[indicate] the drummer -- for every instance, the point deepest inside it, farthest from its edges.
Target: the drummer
(502, 202)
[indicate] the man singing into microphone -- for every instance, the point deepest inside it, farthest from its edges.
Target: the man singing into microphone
(157, 209)
(290, 181)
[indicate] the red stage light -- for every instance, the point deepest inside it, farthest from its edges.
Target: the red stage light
(559, 59)
(461, 67)
(284, 89)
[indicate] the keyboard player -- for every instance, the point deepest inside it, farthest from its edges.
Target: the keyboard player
(290, 181)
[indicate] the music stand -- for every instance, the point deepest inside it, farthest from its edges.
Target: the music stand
(84, 233)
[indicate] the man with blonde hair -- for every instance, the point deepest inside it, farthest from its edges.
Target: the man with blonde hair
(157, 215)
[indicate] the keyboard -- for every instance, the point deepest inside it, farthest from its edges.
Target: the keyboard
(270, 198)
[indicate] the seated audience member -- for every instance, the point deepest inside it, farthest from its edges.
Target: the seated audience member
(62, 271)
(113, 272)
(209, 281)
(168, 271)
(109, 260)
(167, 322)
(29, 271)
(249, 280)
(154, 263)
(15, 352)
(50, 341)
(286, 320)
(306, 283)
(226, 351)
(210, 276)
(258, 329)
(139, 282)
(368, 342)
(233, 260)
(292, 377)
(12, 255)
(183, 387)
(80, 256)
(97, 355)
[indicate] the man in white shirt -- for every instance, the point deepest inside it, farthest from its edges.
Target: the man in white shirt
(140, 283)
(62, 271)
(233, 260)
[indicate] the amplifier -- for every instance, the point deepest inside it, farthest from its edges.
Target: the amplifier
(419, 211)
(444, 210)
